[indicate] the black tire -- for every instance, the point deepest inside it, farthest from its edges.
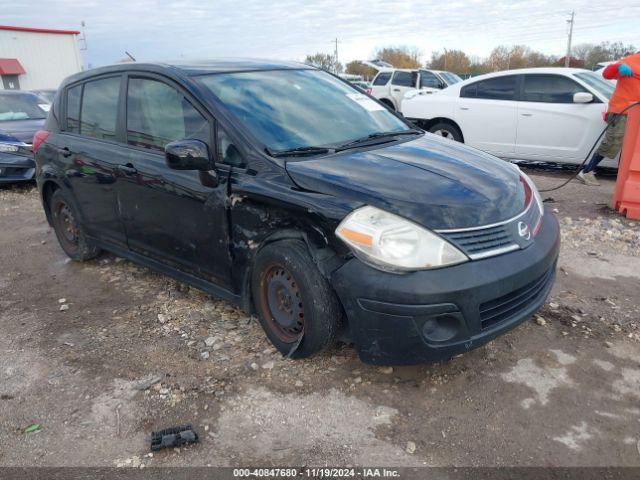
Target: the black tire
(296, 306)
(447, 130)
(70, 234)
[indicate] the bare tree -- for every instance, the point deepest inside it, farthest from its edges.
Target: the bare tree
(399, 57)
(359, 68)
(455, 61)
(324, 61)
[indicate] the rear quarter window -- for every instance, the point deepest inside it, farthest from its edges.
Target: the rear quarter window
(74, 95)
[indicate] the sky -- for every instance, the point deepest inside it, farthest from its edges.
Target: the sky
(291, 29)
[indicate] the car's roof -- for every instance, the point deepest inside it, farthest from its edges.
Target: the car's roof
(194, 67)
(519, 71)
(17, 92)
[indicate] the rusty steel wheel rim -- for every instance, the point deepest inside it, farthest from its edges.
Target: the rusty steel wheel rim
(281, 303)
(67, 225)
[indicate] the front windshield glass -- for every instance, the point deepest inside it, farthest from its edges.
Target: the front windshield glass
(288, 109)
(20, 106)
(450, 78)
(596, 82)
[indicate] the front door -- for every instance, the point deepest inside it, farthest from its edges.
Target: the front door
(177, 217)
(550, 126)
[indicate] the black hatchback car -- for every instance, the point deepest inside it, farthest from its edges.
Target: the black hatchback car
(282, 188)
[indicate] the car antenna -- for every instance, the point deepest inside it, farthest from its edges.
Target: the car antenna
(130, 56)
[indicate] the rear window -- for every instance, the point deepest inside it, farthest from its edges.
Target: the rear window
(100, 108)
(382, 79)
(550, 89)
(20, 106)
(499, 88)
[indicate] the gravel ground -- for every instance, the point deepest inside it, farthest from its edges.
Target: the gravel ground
(102, 353)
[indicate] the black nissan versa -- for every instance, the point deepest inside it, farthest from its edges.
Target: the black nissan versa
(283, 189)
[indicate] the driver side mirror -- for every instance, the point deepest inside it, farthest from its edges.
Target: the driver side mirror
(582, 97)
(187, 155)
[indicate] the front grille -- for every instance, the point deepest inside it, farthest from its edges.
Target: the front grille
(507, 306)
(479, 243)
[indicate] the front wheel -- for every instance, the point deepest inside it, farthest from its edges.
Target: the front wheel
(296, 306)
(446, 130)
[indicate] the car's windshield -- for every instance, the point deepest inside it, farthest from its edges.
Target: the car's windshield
(20, 106)
(597, 83)
(288, 109)
(450, 78)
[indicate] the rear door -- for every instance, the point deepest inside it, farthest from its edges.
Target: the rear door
(177, 217)
(88, 147)
(552, 127)
(402, 82)
(487, 114)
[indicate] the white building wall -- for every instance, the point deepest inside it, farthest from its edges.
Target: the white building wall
(47, 58)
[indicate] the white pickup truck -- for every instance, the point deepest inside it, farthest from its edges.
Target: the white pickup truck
(390, 84)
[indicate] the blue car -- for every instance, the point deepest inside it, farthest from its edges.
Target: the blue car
(22, 114)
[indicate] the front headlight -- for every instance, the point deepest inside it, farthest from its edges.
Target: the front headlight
(392, 243)
(534, 190)
(8, 147)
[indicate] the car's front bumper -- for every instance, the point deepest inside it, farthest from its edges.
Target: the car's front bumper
(433, 315)
(16, 168)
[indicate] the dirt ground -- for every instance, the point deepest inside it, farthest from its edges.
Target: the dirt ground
(102, 353)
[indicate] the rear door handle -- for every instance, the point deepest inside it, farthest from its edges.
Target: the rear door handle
(127, 169)
(527, 114)
(464, 108)
(65, 152)
(396, 89)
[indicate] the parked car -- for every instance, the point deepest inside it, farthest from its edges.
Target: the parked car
(21, 116)
(361, 85)
(47, 94)
(391, 84)
(236, 177)
(543, 114)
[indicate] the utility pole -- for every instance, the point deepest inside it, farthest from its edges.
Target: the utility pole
(335, 58)
(567, 57)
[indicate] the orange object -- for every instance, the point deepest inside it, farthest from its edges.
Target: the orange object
(626, 198)
(627, 88)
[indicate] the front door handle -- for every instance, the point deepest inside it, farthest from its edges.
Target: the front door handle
(464, 108)
(527, 114)
(65, 152)
(127, 169)
(396, 89)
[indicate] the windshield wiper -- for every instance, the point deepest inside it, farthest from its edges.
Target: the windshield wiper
(298, 151)
(375, 136)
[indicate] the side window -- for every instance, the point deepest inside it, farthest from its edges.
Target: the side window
(404, 79)
(158, 114)
(550, 89)
(73, 109)
(382, 79)
(228, 153)
(429, 80)
(499, 88)
(469, 91)
(100, 108)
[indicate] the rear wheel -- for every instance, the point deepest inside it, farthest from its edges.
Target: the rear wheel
(296, 306)
(68, 230)
(446, 130)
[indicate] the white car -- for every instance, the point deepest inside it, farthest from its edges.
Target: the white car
(539, 114)
(390, 84)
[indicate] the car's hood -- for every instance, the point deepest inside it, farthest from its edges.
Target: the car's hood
(22, 130)
(435, 182)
